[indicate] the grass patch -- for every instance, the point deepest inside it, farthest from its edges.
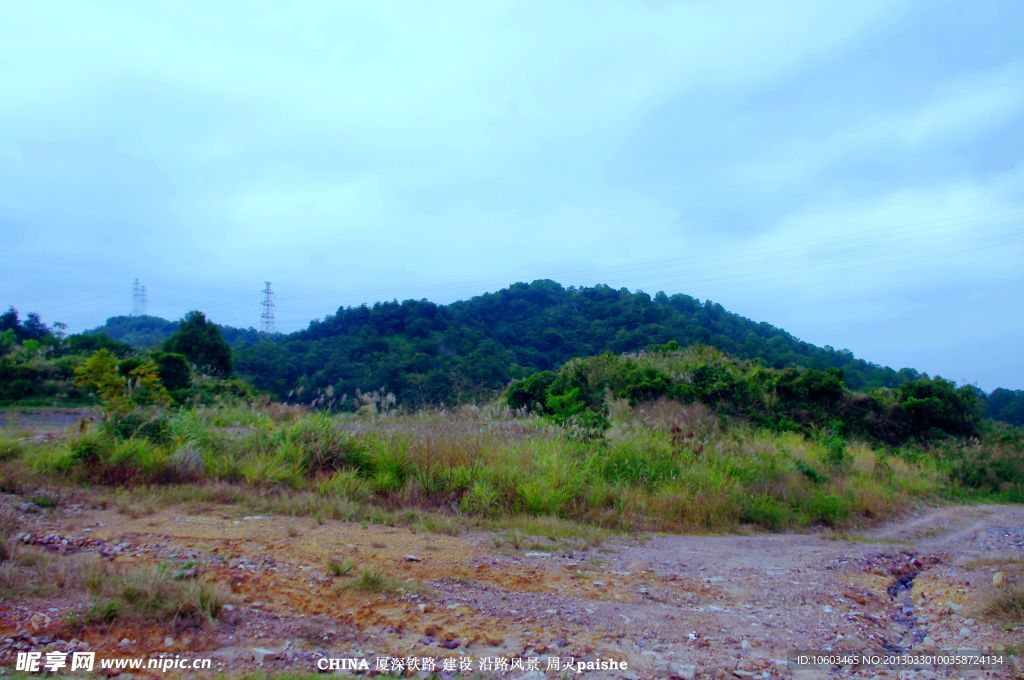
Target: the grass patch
(372, 581)
(45, 501)
(343, 569)
(151, 594)
(1006, 605)
(662, 466)
(137, 594)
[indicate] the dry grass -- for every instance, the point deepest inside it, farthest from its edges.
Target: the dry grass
(1006, 605)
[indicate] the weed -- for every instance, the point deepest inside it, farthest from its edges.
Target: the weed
(45, 501)
(343, 569)
(375, 582)
(1006, 605)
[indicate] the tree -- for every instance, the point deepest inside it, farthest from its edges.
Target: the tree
(9, 320)
(201, 342)
(174, 370)
(118, 394)
(929, 404)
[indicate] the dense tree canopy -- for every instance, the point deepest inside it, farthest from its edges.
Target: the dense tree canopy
(428, 353)
(581, 390)
(200, 341)
(431, 354)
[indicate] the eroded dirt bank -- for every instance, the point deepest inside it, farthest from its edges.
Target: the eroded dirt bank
(671, 606)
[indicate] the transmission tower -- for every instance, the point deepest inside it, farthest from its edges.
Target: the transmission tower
(138, 299)
(267, 315)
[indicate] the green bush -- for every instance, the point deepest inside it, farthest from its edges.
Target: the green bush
(827, 508)
(481, 499)
(325, 447)
(934, 405)
(644, 462)
(530, 393)
(767, 512)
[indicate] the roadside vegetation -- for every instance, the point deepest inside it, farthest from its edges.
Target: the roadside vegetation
(660, 464)
(670, 438)
(153, 593)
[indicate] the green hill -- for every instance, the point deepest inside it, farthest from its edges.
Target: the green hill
(426, 353)
(429, 353)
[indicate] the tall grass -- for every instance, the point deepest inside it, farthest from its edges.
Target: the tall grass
(661, 465)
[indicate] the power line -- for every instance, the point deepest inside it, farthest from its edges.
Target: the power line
(782, 268)
(908, 237)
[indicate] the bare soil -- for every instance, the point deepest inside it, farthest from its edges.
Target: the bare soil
(670, 606)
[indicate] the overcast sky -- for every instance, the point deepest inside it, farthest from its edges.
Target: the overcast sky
(852, 172)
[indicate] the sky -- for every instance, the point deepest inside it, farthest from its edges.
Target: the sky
(852, 172)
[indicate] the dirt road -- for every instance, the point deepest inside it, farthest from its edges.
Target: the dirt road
(668, 606)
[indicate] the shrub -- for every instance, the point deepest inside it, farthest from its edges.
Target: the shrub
(808, 471)
(134, 458)
(930, 405)
(767, 512)
(827, 508)
(481, 499)
(645, 462)
(173, 370)
(835, 450)
(325, 447)
(530, 393)
(148, 424)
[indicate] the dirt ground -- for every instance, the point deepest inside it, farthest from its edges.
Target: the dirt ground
(668, 606)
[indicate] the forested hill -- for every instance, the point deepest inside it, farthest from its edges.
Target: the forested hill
(429, 353)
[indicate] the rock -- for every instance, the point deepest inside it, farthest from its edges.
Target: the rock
(263, 654)
(168, 641)
(745, 644)
(998, 579)
(965, 632)
(450, 644)
(599, 584)
(413, 558)
(125, 642)
(856, 597)
(684, 671)
(39, 622)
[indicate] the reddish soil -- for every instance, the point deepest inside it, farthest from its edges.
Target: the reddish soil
(669, 606)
